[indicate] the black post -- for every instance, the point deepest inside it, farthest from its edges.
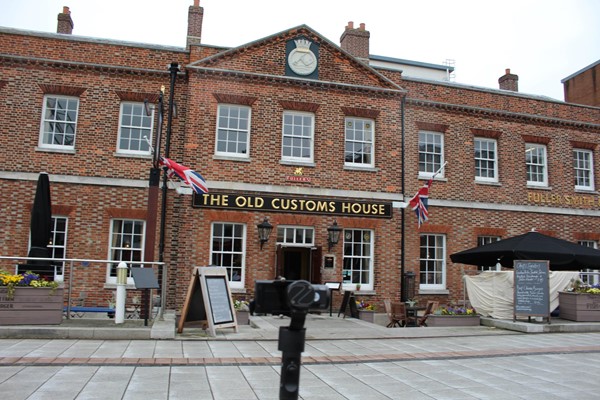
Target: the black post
(173, 69)
(402, 215)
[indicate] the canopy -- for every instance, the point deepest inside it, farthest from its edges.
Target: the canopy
(562, 255)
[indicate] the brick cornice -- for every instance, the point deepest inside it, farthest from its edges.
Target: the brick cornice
(234, 99)
(299, 106)
(61, 64)
(535, 139)
(61, 89)
(583, 145)
(137, 96)
(430, 126)
(488, 133)
(288, 80)
(501, 114)
(360, 112)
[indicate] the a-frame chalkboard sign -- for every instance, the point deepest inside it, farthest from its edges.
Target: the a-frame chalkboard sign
(531, 289)
(209, 300)
(348, 300)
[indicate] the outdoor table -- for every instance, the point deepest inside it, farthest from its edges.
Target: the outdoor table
(412, 314)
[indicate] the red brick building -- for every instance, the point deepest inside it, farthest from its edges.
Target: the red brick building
(294, 129)
(583, 87)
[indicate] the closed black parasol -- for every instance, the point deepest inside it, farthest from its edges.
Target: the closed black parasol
(41, 229)
(562, 255)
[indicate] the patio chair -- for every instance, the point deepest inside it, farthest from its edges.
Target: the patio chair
(395, 312)
(431, 307)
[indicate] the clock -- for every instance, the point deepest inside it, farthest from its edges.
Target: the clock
(302, 59)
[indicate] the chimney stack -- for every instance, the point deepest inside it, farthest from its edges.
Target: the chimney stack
(509, 81)
(356, 41)
(65, 23)
(195, 16)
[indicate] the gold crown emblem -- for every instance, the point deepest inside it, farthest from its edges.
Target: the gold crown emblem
(302, 44)
(298, 171)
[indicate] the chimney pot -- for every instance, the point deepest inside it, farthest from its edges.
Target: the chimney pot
(350, 25)
(66, 10)
(196, 3)
(362, 26)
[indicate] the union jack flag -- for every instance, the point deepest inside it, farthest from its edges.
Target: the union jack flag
(419, 203)
(188, 176)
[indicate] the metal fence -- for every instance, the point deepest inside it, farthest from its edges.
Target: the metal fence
(70, 263)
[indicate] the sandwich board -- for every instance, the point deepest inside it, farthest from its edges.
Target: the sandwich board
(209, 300)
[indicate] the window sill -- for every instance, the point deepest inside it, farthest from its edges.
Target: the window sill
(433, 291)
(359, 168)
(539, 187)
(55, 150)
(110, 285)
(298, 163)
(231, 158)
(238, 290)
(132, 155)
(488, 183)
(586, 191)
(436, 179)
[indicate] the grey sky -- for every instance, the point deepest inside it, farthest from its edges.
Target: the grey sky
(542, 41)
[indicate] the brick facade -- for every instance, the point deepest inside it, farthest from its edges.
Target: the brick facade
(94, 184)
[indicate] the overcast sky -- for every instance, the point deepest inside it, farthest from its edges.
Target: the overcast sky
(542, 41)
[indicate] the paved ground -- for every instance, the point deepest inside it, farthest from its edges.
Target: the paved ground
(343, 359)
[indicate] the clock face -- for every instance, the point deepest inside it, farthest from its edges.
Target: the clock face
(302, 61)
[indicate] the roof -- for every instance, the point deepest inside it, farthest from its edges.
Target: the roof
(580, 71)
(410, 62)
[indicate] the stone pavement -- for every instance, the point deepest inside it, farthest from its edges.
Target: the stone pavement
(343, 359)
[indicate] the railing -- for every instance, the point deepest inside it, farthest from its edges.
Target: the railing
(71, 261)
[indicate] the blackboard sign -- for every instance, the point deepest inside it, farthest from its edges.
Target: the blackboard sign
(209, 300)
(348, 300)
(220, 302)
(531, 288)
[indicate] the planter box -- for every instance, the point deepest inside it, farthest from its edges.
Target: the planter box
(31, 306)
(242, 317)
(368, 316)
(579, 307)
(453, 320)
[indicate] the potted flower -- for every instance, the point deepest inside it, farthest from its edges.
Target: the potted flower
(366, 311)
(28, 298)
(454, 316)
(580, 302)
(242, 311)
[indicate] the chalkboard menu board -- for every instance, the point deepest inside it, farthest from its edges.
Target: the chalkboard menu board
(209, 300)
(531, 289)
(220, 302)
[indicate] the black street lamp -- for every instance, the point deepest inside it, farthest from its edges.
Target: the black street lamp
(264, 231)
(333, 234)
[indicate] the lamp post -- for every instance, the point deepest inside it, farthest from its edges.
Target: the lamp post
(121, 293)
(154, 184)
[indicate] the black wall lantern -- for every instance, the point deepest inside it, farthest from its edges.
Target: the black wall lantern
(333, 234)
(264, 231)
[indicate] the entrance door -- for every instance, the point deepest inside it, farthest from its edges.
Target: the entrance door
(296, 263)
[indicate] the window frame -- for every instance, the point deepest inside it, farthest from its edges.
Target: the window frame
(364, 142)
(482, 240)
(493, 160)
(293, 159)
(436, 165)
(242, 252)
(228, 129)
(370, 258)
(290, 233)
(131, 262)
(41, 140)
(441, 260)
(59, 269)
(595, 279)
(144, 131)
(529, 147)
(590, 169)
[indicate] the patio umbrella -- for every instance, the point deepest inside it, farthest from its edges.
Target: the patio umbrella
(41, 228)
(562, 255)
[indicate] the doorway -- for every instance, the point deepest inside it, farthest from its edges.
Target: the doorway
(296, 263)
